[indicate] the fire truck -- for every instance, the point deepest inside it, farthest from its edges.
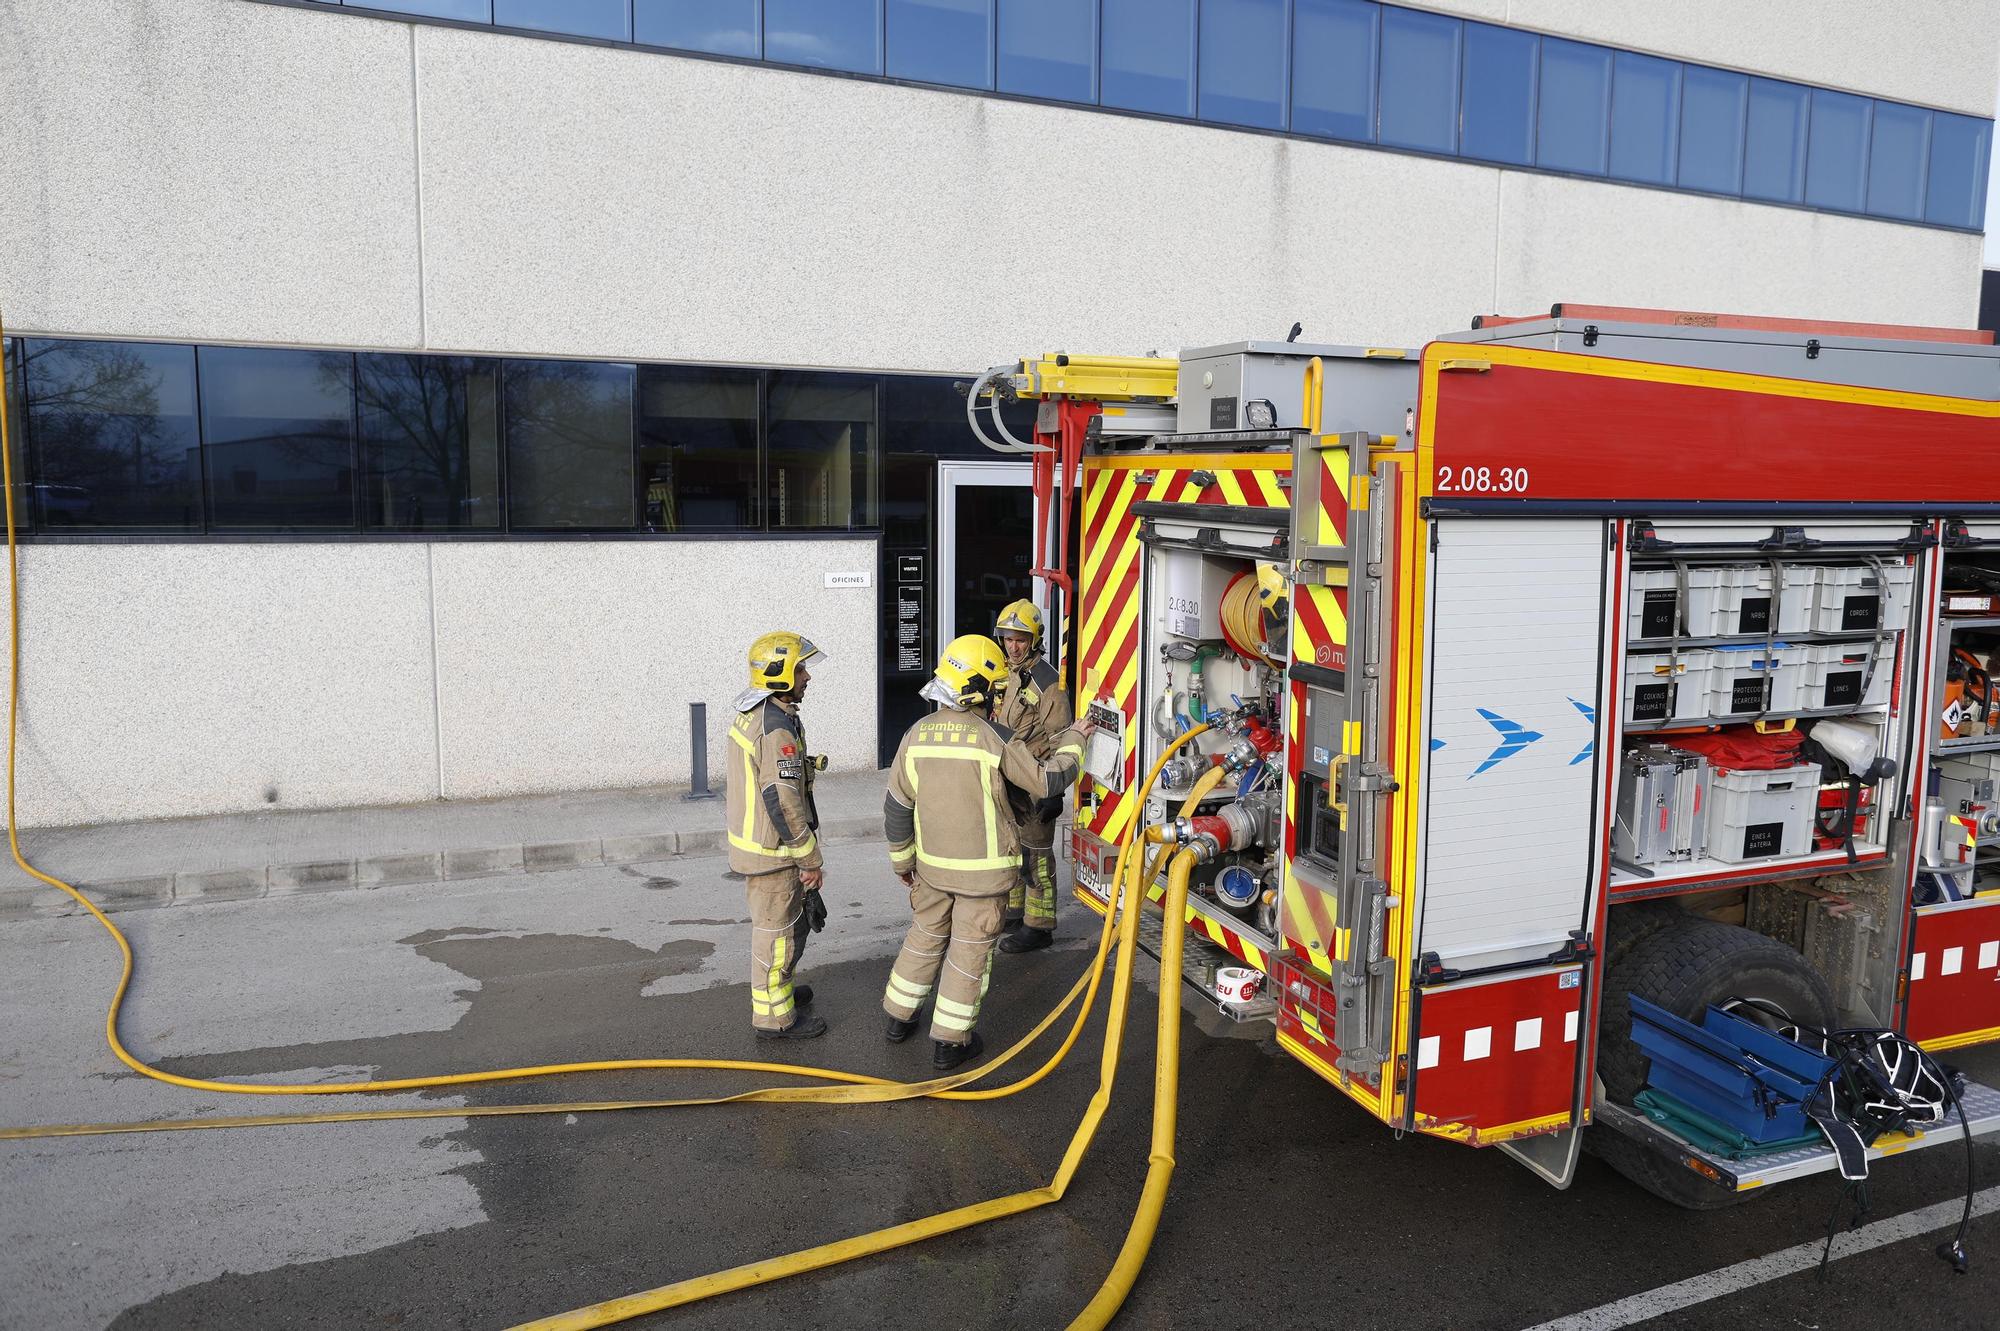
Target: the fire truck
(1567, 662)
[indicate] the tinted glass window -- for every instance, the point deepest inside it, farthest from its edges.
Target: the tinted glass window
(697, 449)
(1575, 107)
(1048, 48)
(1498, 122)
(833, 34)
(1645, 118)
(1837, 154)
(1955, 194)
(569, 444)
(1149, 56)
(17, 433)
(583, 18)
(1712, 106)
(1898, 152)
(1333, 68)
(1243, 62)
(1774, 142)
(279, 429)
(724, 27)
(942, 41)
(474, 11)
(430, 442)
(822, 451)
(1419, 91)
(115, 434)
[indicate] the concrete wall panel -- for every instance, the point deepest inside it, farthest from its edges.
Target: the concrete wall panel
(208, 169)
(1678, 251)
(570, 665)
(783, 217)
(167, 680)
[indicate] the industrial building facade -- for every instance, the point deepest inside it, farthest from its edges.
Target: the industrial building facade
(432, 399)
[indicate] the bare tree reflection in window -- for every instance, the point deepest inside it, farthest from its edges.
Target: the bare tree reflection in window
(569, 444)
(430, 439)
(114, 430)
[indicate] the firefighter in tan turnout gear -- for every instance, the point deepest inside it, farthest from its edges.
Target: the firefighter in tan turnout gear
(953, 841)
(771, 832)
(1031, 702)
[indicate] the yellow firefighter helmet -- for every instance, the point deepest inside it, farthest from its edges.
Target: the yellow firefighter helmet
(775, 659)
(1270, 586)
(966, 674)
(1020, 617)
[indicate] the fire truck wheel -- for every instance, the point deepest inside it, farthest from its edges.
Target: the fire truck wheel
(1684, 963)
(1664, 1178)
(1684, 966)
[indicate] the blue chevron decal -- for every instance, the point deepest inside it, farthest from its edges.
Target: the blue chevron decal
(1436, 744)
(1590, 715)
(1513, 738)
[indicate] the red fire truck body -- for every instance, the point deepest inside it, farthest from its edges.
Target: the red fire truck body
(1598, 655)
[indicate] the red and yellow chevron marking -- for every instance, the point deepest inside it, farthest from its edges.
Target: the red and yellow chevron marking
(1108, 604)
(1334, 465)
(1319, 625)
(1206, 926)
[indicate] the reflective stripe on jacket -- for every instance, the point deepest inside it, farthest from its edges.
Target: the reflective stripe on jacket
(770, 810)
(946, 814)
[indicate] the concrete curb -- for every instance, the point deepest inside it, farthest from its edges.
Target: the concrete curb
(370, 872)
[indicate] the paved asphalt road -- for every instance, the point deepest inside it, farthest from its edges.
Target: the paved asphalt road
(1290, 1209)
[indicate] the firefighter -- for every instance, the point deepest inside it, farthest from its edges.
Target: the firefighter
(1031, 702)
(953, 842)
(771, 833)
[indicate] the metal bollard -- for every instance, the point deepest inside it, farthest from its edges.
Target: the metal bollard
(698, 737)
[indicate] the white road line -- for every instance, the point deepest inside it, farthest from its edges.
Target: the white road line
(1758, 1270)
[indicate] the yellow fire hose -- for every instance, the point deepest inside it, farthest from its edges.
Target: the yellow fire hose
(1133, 871)
(1130, 894)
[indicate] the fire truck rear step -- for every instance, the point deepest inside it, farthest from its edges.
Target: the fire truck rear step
(1982, 1112)
(1200, 959)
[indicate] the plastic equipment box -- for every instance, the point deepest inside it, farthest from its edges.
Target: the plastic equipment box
(1728, 601)
(1754, 680)
(1847, 674)
(1761, 815)
(1854, 599)
(1660, 686)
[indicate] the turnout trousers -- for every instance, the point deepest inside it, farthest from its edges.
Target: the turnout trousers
(778, 933)
(1032, 900)
(947, 960)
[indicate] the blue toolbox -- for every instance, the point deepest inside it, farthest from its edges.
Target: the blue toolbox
(1729, 1069)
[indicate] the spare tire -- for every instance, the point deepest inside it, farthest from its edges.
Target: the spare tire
(1684, 966)
(1687, 965)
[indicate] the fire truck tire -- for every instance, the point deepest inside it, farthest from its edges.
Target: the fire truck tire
(1684, 963)
(1684, 966)
(1664, 1178)
(1636, 921)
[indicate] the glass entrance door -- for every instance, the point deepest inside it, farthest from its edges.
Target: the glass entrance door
(986, 518)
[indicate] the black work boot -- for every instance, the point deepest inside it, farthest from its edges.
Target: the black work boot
(945, 1057)
(802, 994)
(900, 1030)
(803, 1027)
(1011, 924)
(1027, 940)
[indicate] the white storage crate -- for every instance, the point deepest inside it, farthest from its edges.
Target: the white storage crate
(1752, 680)
(1761, 815)
(1836, 671)
(1853, 599)
(1728, 601)
(1659, 688)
